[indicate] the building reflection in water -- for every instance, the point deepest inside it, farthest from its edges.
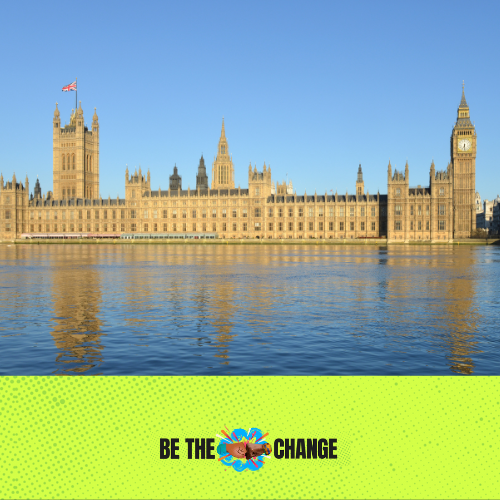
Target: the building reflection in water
(446, 288)
(76, 298)
(199, 299)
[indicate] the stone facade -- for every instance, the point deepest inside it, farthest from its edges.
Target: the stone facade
(441, 211)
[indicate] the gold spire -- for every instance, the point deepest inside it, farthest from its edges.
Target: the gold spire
(223, 133)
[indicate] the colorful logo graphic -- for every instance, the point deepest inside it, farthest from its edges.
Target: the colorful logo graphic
(243, 450)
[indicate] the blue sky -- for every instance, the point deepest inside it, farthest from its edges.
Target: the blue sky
(311, 88)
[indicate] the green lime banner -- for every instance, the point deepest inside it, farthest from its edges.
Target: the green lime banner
(249, 437)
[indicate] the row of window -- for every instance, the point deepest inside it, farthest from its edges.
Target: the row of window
(69, 162)
(418, 225)
(441, 191)
(398, 210)
(280, 226)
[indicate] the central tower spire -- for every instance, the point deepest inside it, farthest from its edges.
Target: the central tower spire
(223, 169)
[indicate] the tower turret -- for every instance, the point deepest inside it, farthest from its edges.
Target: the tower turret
(360, 185)
(202, 177)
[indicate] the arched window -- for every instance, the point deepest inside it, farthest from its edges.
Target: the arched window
(90, 163)
(64, 162)
(74, 162)
(64, 193)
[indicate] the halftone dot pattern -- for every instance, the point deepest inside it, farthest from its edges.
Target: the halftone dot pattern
(398, 437)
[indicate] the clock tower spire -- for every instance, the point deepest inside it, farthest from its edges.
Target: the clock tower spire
(463, 158)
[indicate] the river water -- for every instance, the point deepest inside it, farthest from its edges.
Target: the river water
(249, 310)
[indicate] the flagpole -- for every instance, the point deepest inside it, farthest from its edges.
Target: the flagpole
(76, 94)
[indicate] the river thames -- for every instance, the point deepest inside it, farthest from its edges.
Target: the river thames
(249, 310)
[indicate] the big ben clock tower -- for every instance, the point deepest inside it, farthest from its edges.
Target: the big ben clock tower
(463, 157)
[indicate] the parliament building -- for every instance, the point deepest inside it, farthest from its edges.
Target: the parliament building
(442, 211)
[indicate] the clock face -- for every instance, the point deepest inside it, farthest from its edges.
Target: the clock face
(464, 145)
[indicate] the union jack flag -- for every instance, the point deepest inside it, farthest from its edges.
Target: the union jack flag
(71, 86)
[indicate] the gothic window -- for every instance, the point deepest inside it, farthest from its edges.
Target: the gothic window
(96, 214)
(280, 212)
(411, 209)
(341, 211)
(301, 212)
(245, 213)
(184, 214)
(411, 226)
(398, 191)
(427, 210)
(441, 191)
(270, 226)
(223, 150)
(214, 213)
(155, 214)
(73, 192)
(362, 226)
(311, 212)
(74, 162)
(165, 213)
(280, 226)
(194, 226)
(373, 226)
(441, 225)
(398, 210)
(321, 226)
(214, 227)
(270, 212)
(132, 214)
(311, 226)
(290, 226)
(64, 193)
(184, 226)
(7, 214)
(419, 212)
(442, 210)
(133, 194)
(352, 226)
(420, 225)
(351, 211)
(290, 212)
(257, 212)
(235, 227)
(64, 162)
(320, 211)
(373, 211)
(427, 226)
(194, 214)
(235, 213)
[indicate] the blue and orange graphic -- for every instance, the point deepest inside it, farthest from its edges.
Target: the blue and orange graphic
(253, 435)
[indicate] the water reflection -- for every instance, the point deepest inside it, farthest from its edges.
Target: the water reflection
(281, 310)
(76, 298)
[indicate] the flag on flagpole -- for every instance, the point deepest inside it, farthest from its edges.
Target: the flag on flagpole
(71, 86)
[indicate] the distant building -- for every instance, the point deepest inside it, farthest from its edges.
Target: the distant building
(479, 205)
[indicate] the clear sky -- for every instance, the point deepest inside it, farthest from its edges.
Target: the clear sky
(311, 88)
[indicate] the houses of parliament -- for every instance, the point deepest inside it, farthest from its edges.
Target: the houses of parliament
(442, 211)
